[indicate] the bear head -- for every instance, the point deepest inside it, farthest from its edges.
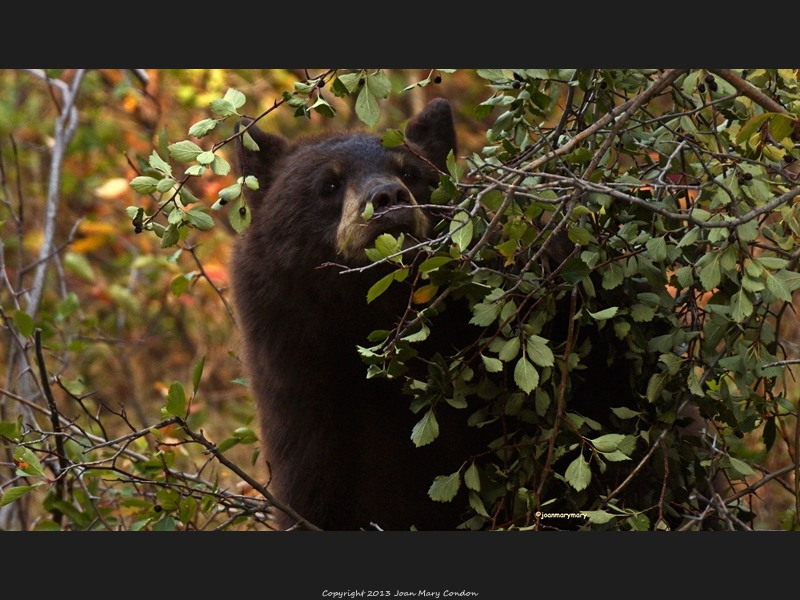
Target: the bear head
(319, 189)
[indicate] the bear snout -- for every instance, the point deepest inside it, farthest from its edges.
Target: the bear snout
(387, 195)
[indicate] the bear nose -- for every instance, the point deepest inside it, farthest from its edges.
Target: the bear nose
(386, 195)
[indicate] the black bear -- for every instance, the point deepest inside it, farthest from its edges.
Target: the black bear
(338, 444)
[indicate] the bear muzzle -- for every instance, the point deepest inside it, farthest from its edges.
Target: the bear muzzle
(394, 210)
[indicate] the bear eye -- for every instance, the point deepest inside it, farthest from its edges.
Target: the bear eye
(409, 176)
(329, 186)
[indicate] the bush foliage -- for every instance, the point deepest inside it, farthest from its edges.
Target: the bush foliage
(637, 217)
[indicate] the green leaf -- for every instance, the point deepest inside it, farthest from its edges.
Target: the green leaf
(67, 306)
(79, 264)
(199, 219)
(144, 185)
(239, 215)
(369, 210)
(418, 336)
(185, 151)
(461, 229)
(484, 313)
(27, 462)
(655, 386)
(202, 128)
(187, 509)
(165, 524)
(741, 467)
(710, 270)
(197, 373)
(623, 412)
(220, 166)
(175, 217)
(605, 314)
(231, 193)
(222, 107)
(525, 375)
(367, 108)
(445, 487)
(170, 236)
(608, 442)
(492, 365)
(187, 197)
(322, 107)
(693, 383)
(750, 127)
(387, 244)
(657, 247)
(453, 168)
(196, 170)
(476, 504)
(235, 97)
(539, 352)
(597, 517)
(249, 143)
(741, 307)
(379, 84)
(690, 238)
(772, 262)
(579, 235)
(206, 158)
(426, 430)
(641, 313)
(24, 323)
(510, 349)
(615, 456)
(392, 138)
(348, 81)
(434, 263)
(613, 275)
(379, 287)
(493, 75)
(13, 493)
(472, 478)
(181, 283)
(176, 400)
(777, 285)
(578, 474)
(159, 164)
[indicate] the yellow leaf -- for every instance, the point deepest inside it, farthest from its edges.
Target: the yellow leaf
(425, 293)
(113, 188)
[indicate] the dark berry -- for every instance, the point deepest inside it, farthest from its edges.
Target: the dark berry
(157, 508)
(740, 181)
(603, 85)
(437, 79)
(748, 176)
(361, 81)
(321, 83)
(713, 86)
(788, 158)
(516, 85)
(222, 202)
(137, 229)
(709, 78)
(702, 88)
(242, 211)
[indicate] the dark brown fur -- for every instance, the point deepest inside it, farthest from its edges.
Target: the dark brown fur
(338, 444)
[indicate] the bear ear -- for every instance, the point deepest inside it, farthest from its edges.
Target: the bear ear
(259, 163)
(433, 133)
